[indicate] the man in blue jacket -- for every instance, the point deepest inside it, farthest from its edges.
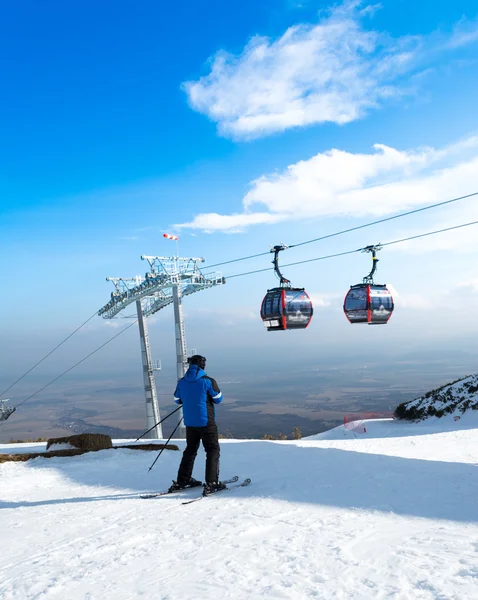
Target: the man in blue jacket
(198, 394)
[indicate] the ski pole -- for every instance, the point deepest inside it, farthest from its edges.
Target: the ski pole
(161, 451)
(163, 419)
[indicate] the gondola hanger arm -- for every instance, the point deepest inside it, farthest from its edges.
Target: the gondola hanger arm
(276, 249)
(373, 249)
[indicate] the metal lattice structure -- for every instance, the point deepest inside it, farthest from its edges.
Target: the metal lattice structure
(169, 279)
(156, 289)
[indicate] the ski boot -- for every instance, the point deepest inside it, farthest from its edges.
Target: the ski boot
(213, 487)
(180, 485)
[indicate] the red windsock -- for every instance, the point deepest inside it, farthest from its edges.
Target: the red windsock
(168, 236)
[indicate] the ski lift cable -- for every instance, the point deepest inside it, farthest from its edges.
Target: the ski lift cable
(301, 262)
(330, 235)
(414, 237)
(227, 262)
(76, 364)
(49, 354)
(405, 214)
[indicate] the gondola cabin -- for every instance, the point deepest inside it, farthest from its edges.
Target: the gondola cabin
(286, 308)
(368, 303)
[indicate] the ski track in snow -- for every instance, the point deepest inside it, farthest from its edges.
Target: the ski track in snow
(391, 514)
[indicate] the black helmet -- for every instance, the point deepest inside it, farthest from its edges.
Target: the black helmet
(198, 360)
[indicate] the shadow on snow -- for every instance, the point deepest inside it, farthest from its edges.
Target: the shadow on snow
(302, 474)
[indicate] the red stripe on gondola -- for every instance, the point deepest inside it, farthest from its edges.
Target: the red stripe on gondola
(283, 318)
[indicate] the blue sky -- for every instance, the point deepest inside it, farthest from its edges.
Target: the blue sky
(236, 126)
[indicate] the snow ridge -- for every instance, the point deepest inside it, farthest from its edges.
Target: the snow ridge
(458, 396)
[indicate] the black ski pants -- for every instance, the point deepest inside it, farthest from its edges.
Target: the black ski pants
(208, 435)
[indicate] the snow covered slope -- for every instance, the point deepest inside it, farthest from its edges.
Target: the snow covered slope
(456, 397)
(391, 513)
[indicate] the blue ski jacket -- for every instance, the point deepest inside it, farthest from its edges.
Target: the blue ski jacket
(197, 393)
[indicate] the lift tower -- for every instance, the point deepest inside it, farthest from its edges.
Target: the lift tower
(124, 285)
(168, 281)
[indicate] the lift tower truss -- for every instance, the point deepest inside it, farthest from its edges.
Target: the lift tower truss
(168, 281)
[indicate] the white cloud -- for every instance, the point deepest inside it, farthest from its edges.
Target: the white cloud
(332, 71)
(438, 297)
(412, 300)
(209, 222)
(464, 33)
(339, 183)
(468, 287)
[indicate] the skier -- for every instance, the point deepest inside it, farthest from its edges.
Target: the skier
(198, 393)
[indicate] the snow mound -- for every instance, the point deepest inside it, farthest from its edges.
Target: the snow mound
(395, 428)
(456, 397)
(64, 446)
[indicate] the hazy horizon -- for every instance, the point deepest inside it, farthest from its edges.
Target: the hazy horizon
(263, 399)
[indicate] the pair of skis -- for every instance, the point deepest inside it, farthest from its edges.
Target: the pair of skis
(233, 480)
